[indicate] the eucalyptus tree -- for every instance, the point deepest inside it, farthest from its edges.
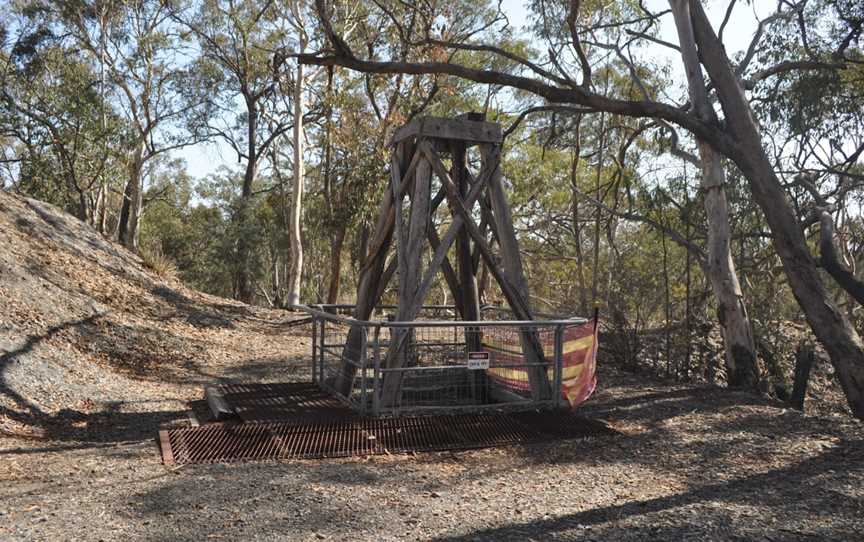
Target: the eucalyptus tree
(815, 123)
(52, 112)
(244, 102)
(737, 136)
(139, 48)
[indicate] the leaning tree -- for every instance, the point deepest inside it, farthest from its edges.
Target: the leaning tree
(737, 136)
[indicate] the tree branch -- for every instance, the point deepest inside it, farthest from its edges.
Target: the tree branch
(557, 108)
(830, 260)
(574, 35)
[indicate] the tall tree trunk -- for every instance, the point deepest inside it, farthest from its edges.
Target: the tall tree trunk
(828, 323)
(130, 211)
(336, 264)
(244, 289)
(295, 242)
(741, 364)
(597, 196)
(577, 238)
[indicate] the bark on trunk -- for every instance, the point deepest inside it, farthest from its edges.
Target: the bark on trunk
(243, 289)
(296, 269)
(335, 264)
(831, 262)
(741, 364)
(130, 210)
(830, 326)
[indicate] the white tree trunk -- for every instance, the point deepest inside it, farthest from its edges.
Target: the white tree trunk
(828, 323)
(296, 268)
(741, 365)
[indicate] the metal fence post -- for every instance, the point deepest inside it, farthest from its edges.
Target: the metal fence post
(376, 376)
(559, 365)
(363, 356)
(322, 377)
(314, 350)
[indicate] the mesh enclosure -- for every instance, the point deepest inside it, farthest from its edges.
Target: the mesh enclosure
(437, 363)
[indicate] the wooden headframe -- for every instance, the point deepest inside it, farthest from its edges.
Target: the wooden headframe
(407, 214)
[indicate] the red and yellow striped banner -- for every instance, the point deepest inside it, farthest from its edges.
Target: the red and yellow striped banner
(578, 375)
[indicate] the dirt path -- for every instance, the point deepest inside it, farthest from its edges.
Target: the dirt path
(96, 352)
(691, 464)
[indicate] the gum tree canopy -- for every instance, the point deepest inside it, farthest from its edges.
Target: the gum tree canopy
(736, 135)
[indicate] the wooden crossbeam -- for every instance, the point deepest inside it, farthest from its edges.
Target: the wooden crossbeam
(449, 273)
(510, 285)
(458, 206)
(464, 130)
(450, 234)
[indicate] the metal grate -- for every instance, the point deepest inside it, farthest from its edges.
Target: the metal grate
(220, 443)
(295, 402)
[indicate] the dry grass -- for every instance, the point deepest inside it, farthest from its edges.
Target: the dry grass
(155, 260)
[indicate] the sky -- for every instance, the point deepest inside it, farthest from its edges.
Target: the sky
(206, 158)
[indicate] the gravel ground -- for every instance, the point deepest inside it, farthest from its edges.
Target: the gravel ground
(96, 353)
(690, 464)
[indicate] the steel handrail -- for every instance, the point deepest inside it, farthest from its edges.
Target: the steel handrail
(347, 320)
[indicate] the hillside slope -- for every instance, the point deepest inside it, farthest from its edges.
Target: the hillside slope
(97, 352)
(85, 327)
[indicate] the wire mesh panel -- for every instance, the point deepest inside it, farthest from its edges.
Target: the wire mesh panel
(339, 358)
(439, 364)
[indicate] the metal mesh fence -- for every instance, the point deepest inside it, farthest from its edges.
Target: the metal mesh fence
(437, 363)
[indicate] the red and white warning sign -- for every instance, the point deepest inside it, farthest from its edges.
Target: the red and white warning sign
(478, 360)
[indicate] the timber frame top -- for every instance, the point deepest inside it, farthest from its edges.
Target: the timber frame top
(464, 128)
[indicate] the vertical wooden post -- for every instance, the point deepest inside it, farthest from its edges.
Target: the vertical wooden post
(396, 161)
(409, 281)
(467, 278)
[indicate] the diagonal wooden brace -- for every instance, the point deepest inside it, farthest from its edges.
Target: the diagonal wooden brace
(532, 350)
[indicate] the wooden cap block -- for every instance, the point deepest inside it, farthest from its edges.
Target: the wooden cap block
(461, 129)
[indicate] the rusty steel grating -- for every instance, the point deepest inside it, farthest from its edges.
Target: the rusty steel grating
(295, 402)
(220, 443)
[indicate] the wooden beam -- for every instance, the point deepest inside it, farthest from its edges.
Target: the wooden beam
(449, 273)
(409, 278)
(404, 184)
(504, 226)
(389, 270)
(531, 348)
(450, 234)
(396, 186)
(420, 205)
(438, 127)
(467, 280)
(470, 299)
